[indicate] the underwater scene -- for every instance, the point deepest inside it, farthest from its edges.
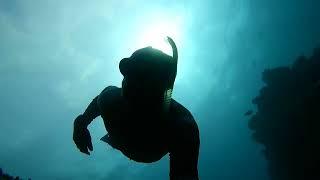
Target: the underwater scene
(161, 90)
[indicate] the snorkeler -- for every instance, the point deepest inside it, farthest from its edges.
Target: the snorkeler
(141, 118)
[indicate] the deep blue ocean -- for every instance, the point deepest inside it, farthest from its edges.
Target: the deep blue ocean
(56, 56)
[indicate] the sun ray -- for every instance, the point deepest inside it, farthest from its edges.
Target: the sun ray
(156, 33)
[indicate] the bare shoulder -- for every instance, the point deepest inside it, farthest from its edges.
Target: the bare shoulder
(180, 112)
(110, 89)
(108, 96)
(182, 120)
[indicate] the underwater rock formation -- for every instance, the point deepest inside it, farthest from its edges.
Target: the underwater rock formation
(287, 121)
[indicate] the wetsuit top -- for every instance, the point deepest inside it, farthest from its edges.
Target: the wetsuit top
(144, 135)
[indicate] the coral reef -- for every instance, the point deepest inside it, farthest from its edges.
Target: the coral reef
(287, 121)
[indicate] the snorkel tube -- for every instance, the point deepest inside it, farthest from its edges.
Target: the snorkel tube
(174, 63)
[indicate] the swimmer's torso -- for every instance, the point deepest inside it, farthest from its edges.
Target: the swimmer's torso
(139, 132)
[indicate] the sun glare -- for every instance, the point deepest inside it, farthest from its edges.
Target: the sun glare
(155, 35)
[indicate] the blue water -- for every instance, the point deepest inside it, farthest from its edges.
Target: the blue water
(55, 56)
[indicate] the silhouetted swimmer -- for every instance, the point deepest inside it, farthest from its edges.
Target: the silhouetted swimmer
(141, 118)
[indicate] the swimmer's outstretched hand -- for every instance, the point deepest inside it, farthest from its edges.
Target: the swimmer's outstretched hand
(81, 136)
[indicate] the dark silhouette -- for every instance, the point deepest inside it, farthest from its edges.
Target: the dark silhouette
(287, 122)
(141, 118)
(248, 113)
(4, 176)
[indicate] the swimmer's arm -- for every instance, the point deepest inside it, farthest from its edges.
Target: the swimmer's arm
(91, 112)
(93, 109)
(184, 152)
(81, 134)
